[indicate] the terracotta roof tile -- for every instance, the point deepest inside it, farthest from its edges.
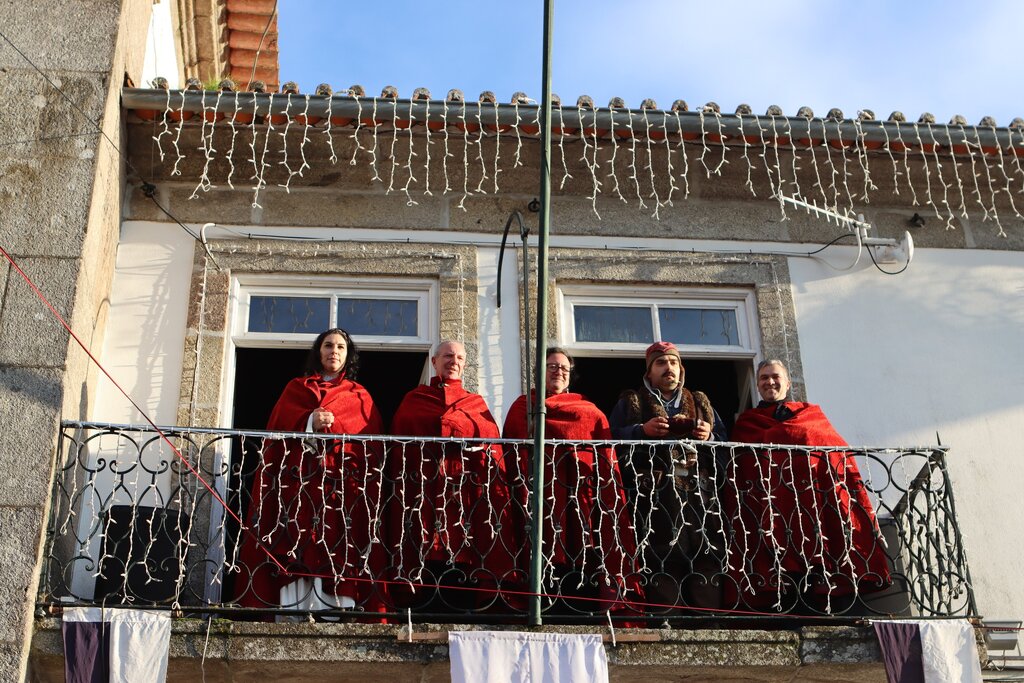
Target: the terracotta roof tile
(267, 58)
(842, 133)
(255, 23)
(252, 40)
(246, 40)
(268, 76)
(264, 7)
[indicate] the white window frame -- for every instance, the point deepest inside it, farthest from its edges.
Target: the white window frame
(424, 292)
(742, 301)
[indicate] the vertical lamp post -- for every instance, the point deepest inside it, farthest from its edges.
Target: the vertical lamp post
(539, 411)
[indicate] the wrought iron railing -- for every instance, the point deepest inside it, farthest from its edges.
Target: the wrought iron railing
(258, 524)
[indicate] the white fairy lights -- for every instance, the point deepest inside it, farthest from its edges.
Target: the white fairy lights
(644, 150)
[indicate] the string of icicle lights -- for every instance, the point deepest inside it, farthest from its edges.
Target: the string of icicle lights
(647, 158)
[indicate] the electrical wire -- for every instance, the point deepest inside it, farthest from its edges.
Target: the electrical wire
(45, 138)
(408, 240)
(149, 190)
(829, 244)
(188, 466)
(860, 252)
(259, 48)
(883, 270)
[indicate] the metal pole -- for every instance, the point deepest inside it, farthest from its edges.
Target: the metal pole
(539, 412)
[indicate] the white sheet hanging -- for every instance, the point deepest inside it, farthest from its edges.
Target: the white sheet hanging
(949, 651)
(515, 657)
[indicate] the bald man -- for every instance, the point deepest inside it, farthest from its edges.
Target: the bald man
(449, 499)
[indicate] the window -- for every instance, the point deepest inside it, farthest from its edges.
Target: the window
(701, 321)
(374, 312)
(288, 314)
(608, 328)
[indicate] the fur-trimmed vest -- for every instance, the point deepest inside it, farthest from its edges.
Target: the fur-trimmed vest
(641, 406)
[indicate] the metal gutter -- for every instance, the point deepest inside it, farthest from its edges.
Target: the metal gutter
(573, 118)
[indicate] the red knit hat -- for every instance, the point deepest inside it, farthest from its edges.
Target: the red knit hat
(659, 349)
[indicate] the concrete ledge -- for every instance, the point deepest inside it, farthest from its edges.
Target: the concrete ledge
(235, 651)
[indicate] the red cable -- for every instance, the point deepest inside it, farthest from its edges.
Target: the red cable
(555, 596)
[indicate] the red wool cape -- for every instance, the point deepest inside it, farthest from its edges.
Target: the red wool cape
(450, 501)
(312, 501)
(584, 495)
(819, 496)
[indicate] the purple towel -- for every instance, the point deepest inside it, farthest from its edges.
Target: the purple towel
(901, 650)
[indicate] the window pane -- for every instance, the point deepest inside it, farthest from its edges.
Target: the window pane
(289, 314)
(613, 324)
(384, 317)
(703, 326)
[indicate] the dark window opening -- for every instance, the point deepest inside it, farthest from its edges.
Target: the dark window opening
(261, 375)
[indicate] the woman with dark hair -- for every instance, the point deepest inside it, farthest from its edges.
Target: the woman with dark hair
(315, 502)
(588, 535)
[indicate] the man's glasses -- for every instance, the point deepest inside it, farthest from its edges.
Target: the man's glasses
(555, 367)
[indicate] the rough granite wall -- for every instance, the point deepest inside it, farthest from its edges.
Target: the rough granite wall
(61, 188)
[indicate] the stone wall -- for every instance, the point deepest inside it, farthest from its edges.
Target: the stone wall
(60, 198)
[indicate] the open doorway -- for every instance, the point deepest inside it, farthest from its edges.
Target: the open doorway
(260, 377)
(603, 379)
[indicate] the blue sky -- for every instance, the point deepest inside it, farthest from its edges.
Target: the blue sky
(940, 56)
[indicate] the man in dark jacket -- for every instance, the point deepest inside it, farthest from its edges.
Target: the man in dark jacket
(673, 487)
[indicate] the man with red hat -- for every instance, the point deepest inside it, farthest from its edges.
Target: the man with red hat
(668, 409)
(673, 487)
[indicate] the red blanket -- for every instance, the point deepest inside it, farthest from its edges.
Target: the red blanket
(584, 497)
(450, 501)
(801, 514)
(312, 501)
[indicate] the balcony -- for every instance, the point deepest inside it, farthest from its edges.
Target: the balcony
(394, 536)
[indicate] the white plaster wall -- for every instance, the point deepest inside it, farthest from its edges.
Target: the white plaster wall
(142, 350)
(893, 360)
(161, 57)
(499, 363)
(146, 327)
